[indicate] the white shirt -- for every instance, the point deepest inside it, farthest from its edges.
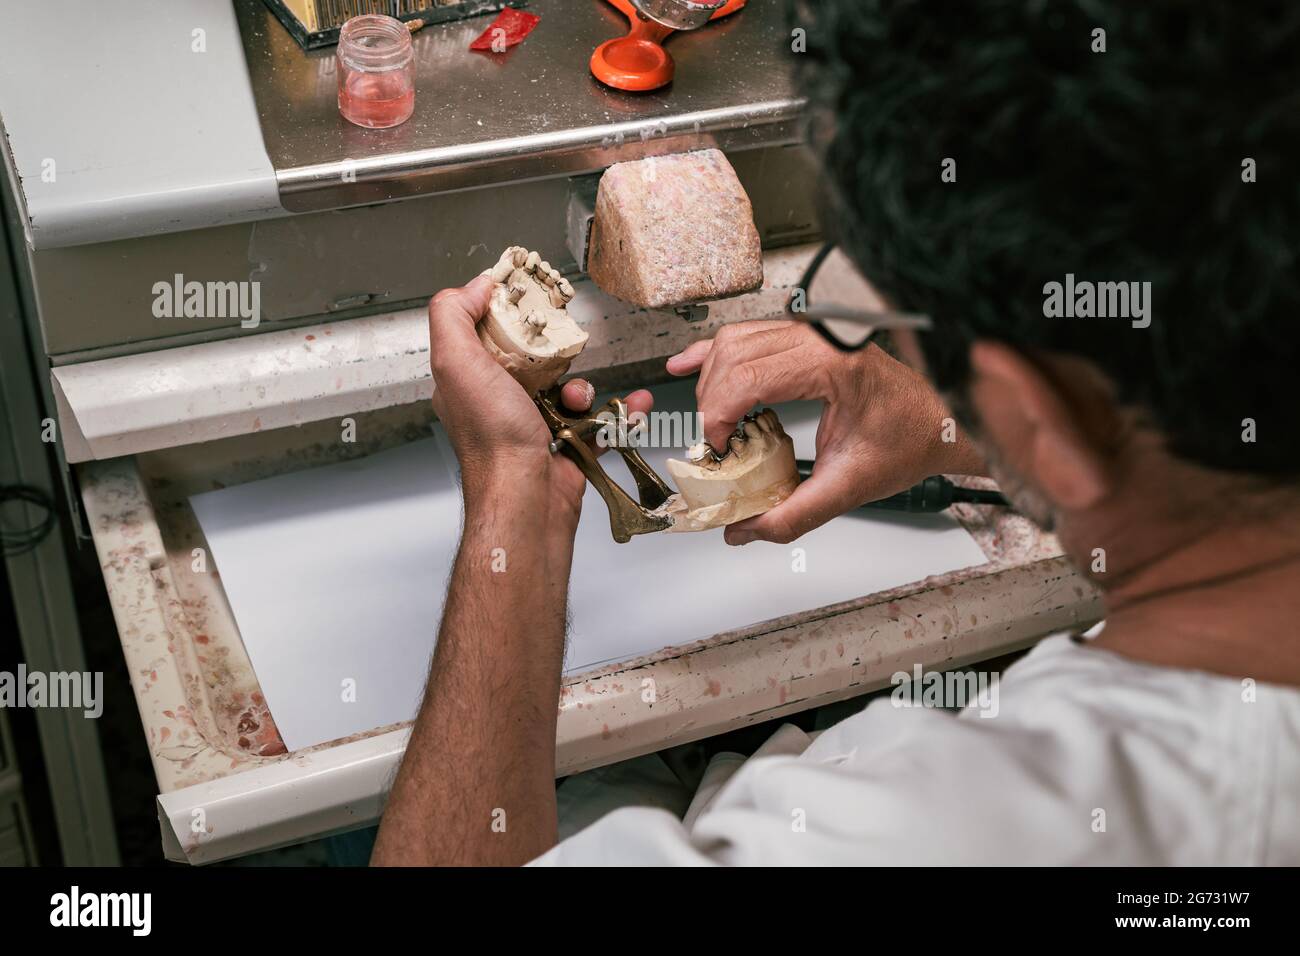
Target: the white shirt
(1091, 759)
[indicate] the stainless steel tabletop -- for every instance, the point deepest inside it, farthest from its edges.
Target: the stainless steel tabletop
(532, 112)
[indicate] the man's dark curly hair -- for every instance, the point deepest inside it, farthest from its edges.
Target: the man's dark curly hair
(1125, 165)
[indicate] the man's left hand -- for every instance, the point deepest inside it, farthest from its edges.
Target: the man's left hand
(497, 432)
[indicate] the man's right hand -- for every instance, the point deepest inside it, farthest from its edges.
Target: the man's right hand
(881, 429)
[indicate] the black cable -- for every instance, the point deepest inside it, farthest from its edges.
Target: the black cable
(933, 494)
(25, 539)
(979, 496)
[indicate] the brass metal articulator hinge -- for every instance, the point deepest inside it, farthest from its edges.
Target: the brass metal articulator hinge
(570, 434)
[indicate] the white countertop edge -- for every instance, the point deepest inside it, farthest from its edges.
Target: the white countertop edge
(331, 790)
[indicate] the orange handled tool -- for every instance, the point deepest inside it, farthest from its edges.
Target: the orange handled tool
(638, 61)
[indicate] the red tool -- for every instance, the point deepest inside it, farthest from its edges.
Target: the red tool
(638, 61)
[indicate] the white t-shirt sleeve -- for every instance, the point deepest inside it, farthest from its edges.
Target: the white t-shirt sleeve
(1089, 759)
(889, 786)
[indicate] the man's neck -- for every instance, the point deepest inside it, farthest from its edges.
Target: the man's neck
(1219, 596)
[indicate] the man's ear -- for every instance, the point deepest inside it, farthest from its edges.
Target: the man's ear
(1043, 420)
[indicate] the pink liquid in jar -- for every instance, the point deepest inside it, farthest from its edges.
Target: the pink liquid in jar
(376, 72)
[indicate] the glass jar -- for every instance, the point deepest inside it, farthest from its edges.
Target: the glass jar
(376, 71)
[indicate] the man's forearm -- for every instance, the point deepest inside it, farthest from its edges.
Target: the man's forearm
(477, 784)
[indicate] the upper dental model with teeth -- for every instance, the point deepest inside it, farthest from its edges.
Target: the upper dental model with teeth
(527, 329)
(754, 474)
(529, 332)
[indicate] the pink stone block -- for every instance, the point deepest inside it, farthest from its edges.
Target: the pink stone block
(671, 230)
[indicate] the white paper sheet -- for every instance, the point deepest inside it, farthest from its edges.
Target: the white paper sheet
(336, 576)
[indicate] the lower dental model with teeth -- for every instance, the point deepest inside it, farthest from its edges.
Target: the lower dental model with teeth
(754, 474)
(527, 329)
